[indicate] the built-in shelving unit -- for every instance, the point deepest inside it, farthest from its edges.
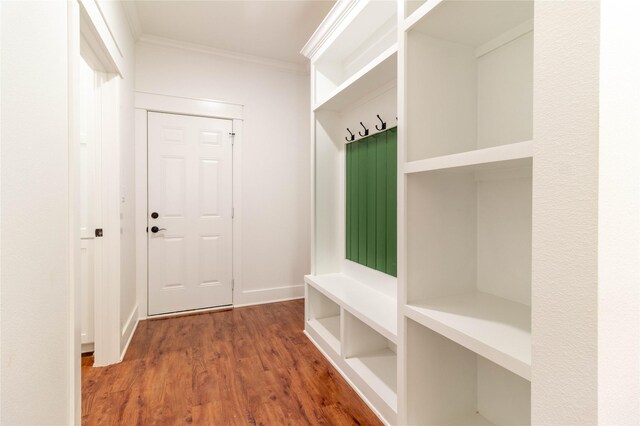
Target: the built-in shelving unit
(468, 180)
(449, 341)
(354, 68)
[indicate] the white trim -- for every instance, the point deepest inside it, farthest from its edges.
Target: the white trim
(87, 348)
(328, 26)
(145, 102)
(133, 19)
(106, 46)
(298, 68)
(129, 330)
(267, 295)
(188, 106)
(185, 313)
(141, 211)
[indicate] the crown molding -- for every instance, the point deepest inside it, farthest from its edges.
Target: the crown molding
(292, 67)
(131, 13)
(328, 26)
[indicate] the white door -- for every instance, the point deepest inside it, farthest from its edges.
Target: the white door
(190, 181)
(89, 200)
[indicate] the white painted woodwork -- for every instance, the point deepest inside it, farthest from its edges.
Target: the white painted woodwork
(190, 187)
(89, 164)
(354, 74)
(450, 385)
(463, 330)
(366, 32)
(469, 77)
(372, 307)
(374, 75)
(372, 357)
(324, 317)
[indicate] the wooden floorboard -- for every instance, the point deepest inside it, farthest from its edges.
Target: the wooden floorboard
(247, 366)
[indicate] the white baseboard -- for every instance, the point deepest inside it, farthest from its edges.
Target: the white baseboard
(87, 347)
(268, 295)
(128, 331)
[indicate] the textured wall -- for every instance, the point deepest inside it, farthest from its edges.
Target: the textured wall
(565, 213)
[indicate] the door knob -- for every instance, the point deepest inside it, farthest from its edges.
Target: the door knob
(155, 229)
(155, 215)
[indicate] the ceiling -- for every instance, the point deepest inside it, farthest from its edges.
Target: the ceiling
(270, 29)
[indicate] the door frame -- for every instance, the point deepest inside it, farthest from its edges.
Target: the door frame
(150, 102)
(89, 33)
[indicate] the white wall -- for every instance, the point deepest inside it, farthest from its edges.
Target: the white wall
(619, 216)
(565, 214)
(275, 157)
(36, 332)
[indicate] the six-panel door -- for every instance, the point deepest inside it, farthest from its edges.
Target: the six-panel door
(190, 181)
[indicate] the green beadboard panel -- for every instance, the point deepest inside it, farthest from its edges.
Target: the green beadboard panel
(371, 203)
(348, 189)
(361, 194)
(371, 200)
(392, 207)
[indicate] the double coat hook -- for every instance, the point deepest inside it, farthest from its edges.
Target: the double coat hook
(383, 125)
(366, 131)
(351, 136)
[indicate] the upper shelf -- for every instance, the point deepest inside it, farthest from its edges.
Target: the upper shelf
(472, 23)
(370, 306)
(356, 38)
(497, 154)
(495, 328)
(371, 77)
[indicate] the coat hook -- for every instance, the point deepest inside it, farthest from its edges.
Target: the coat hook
(366, 131)
(351, 138)
(383, 125)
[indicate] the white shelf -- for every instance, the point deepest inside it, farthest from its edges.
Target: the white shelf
(497, 154)
(329, 329)
(370, 306)
(493, 327)
(379, 370)
(370, 78)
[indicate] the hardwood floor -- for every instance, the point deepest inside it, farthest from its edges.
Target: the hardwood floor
(245, 366)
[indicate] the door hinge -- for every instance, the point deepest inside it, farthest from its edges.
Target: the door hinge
(233, 135)
(98, 232)
(233, 284)
(233, 212)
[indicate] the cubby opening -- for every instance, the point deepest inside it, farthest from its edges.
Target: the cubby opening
(451, 385)
(372, 32)
(470, 73)
(469, 258)
(373, 358)
(324, 317)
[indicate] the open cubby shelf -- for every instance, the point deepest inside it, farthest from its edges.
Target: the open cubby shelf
(496, 328)
(372, 307)
(469, 77)
(373, 358)
(451, 385)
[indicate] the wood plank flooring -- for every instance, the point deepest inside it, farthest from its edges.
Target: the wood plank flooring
(248, 366)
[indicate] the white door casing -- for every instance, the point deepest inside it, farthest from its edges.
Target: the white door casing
(190, 187)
